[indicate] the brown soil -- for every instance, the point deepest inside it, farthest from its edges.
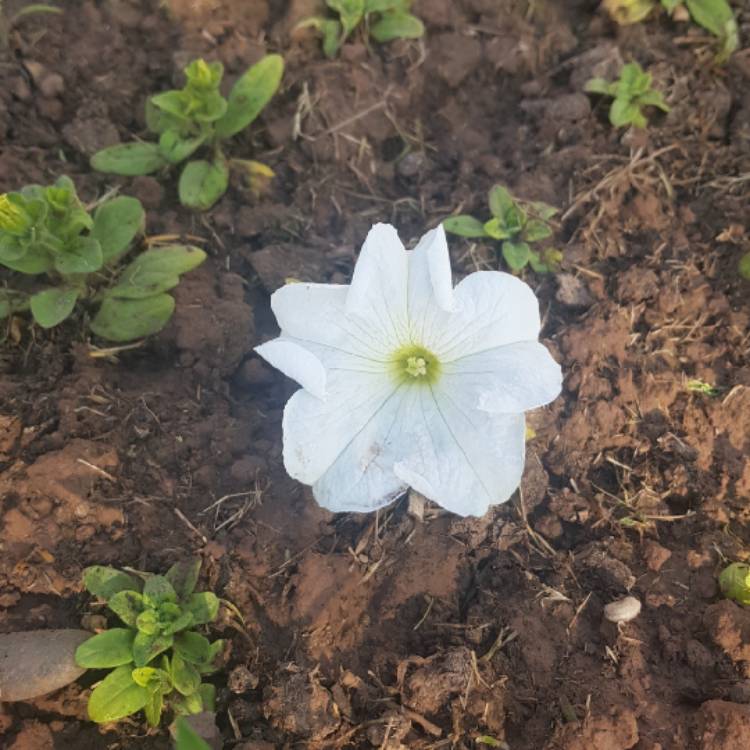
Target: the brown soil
(389, 631)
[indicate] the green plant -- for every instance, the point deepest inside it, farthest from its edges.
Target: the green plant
(734, 582)
(48, 231)
(518, 225)
(631, 92)
(193, 117)
(159, 658)
(713, 15)
(744, 266)
(385, 20)
(186, 738)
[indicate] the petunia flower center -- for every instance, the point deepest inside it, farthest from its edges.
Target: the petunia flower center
(414, 364)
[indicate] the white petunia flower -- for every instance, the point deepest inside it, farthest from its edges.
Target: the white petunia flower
(408, 381)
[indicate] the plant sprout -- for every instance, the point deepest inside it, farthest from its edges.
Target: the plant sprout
(631, 93)
(47, 233)
(734, 582)
(408, 382)
(385, 20)
(159, 658)
(194, 117)
(518, 225)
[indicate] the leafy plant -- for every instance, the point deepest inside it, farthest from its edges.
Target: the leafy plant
(194, 117)
(734, 582)
(385, 20)
(744, 266)
(186, 738)
(713, 15)
(631, 92)
(48, 231)
(518, 225)
(158, 660)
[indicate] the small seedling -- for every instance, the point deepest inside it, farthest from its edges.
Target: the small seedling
(159, 658)
(700, 386)
(47, 231)
(713, 15)
(518, 225)
(385, 20)
(631, 92)
(194, 117)
(734, 582)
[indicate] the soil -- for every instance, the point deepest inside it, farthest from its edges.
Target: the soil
(403, 629)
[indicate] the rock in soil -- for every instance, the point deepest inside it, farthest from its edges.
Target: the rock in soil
(38, 662)
(33, 736)
(723, 725)
(728, 624)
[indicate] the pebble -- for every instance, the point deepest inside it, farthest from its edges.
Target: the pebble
(623, 610)
(37, 662)
(52, 85)
(242, 680)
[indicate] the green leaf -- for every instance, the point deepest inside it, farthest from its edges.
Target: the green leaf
(187, 704)
(116, 223)
(734, 582)
(653, 99)
(712, 15)
(623, 112)
(116, 696)
(192, 647)
(202, 183)
(112, 648)
(174, 148)
(158, 590)
(84, 256)
(128, 319)
(350, 12)
(154, 706)
(600, 86)
(516, 254)
(332, 38)
(543, 210)
(148, 622)
(214, 659)
(127, 605)
(153, 677)
(500, 201)
(155, 271)
(104, 582)
(536, 230)
(744, 266)
(184, 575)
(157, 120)
(146, 646)
(174, 102)
(495, 229)
(52, 306)
(184, 620)
(185, 676)
(207, 692)
(383, 6)
(464, 225)
(536, 263)
(186, 738)
(204, 606)
(397, 26)
(36, 260)
(250, 95)
(129, 159)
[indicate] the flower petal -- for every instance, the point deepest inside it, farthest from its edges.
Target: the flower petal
(462, 458)
(492, 309)
(297, 363)
(508, 379)
(318, 431)
(377, 295)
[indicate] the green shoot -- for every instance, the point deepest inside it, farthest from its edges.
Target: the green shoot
(700, 386)
(518, 225)
(744, 266)
(734, 582)
(385, 20)
(159, 658)
(196, 117)
(631, 93)
(47, 232)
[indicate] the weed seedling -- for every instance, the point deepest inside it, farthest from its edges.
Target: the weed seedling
(734, 582)
(631, 92)
(384, 20)
(519, 225)
(47, 232)
(159, 658)
(194, 117)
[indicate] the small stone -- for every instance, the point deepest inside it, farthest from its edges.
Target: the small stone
(572, 291)
(411, 164)
(36, 70)
(38, 662)
(242, 680)
(655, 555)
(33, 736)
(623, 610)
(52, 85)
(417, 504)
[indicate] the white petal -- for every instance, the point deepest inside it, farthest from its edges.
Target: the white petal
(316, 314)
(492, 309)
(297, 363)
(318, 431)
(377, 295)
(462, 458)
(509, 379)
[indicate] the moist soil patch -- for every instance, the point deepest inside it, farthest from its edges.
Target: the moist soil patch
(404, 628)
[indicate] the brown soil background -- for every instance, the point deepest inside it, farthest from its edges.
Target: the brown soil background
(391, 631)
